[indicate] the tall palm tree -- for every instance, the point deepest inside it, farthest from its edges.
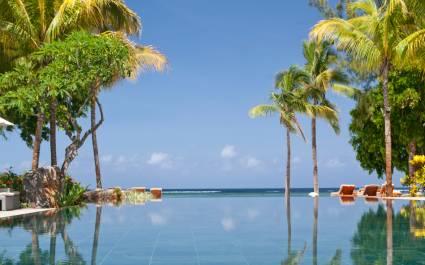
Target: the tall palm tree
(320, 59)
(141, 58)
(290, 100)
(375, 39)
(27, 25)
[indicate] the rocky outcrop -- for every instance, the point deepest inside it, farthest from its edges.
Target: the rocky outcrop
(42, 187)
(117, 195)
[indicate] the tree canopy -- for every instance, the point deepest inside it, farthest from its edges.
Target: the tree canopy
(408, 120)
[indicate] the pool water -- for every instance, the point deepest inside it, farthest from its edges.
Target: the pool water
(222, 230)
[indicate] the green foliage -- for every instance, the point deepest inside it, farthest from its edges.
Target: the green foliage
(73, 193)
(417, 181)
(118, 194)
(408, 121)
(134, 197)
(11, 180)
(369, 243)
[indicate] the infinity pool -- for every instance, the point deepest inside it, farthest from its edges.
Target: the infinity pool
(218, 230)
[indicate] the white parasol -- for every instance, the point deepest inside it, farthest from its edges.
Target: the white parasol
(4, 123)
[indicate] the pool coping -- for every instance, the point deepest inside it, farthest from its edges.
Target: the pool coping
(22, 212)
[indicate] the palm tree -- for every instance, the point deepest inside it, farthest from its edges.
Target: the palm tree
(140, 58)
(322, 76)
(286, 103)
(375, 39)
(289, 101)
(26, 25)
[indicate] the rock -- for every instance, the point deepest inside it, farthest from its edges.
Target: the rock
(100, 196)
(42, 187)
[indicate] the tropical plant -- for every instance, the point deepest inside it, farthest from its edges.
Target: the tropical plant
(416, 181)
(375, 38)
(322, 76)
(289, 101)
(73, 193)
(11, 180)
(27, 26)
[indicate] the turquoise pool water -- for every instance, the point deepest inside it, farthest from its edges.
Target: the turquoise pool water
(221, 230)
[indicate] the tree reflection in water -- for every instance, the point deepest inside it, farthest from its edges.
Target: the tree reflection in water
(52, 223)
(383, 237)
(296, 257)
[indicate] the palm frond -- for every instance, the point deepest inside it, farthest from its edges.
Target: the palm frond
(347, 91)
(349, 38)
(366, 7)
(262, 110)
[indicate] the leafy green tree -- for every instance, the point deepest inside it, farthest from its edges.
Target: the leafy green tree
(25, 26)
(287, 102)
(322, 76)
(72, 68)
(408, 122)
(374, 38)
(21, 98)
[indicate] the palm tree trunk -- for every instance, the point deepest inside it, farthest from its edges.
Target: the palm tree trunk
(95, 146)
(389, 232)
(37, 142)
(53, 155)
(315, 228)
(314, 152)
(387, 122)
(96, 235)
(412, 153)
(288, 165)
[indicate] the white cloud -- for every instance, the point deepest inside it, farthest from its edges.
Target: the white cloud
(250, 162)
(229, 151)
(121, 159)
(160, 159)
(228, 224)
(334, 163)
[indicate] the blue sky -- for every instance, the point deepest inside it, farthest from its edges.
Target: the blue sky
(189, 127)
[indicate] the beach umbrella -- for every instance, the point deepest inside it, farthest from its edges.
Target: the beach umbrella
(4, 123)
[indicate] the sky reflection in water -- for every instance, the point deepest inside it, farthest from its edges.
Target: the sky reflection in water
(222, 230)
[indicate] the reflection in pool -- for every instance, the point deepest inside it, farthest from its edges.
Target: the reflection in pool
(222, 230)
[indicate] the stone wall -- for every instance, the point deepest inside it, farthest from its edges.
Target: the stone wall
(41, 187)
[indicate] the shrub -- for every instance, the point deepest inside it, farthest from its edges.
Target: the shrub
(417, 182)
(11, 180)
(73, 193)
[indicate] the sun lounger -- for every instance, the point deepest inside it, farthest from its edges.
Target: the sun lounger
(156, 193)
(345, 190)
(369, 190)
(383, 191)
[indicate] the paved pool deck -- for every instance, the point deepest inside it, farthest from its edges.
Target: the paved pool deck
(20, 212)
